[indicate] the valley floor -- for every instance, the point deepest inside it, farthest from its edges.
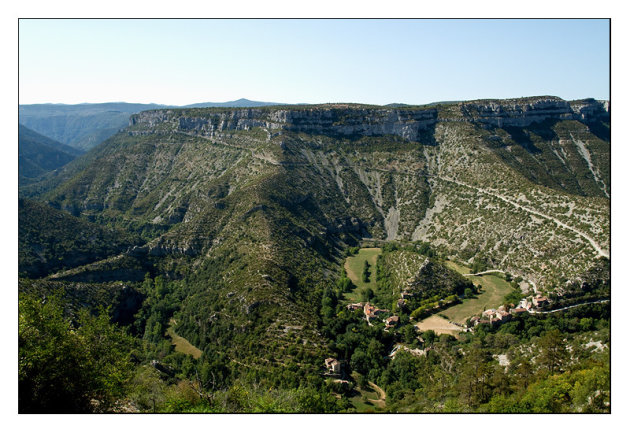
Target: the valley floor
(493, 292)
(354, 269)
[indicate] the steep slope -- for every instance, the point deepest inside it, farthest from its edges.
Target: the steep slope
(38, 154)
(251, 208)
(542, 230)
(49, 240)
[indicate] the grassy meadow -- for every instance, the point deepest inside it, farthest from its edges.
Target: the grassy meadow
(493, 293)
(354, 270)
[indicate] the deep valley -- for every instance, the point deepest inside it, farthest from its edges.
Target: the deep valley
(308, 258)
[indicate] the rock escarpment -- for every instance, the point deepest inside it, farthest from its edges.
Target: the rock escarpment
(409, 123)
(406, 123)
(524, 112)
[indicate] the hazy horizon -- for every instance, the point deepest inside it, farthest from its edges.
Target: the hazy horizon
(297, 103)
(369, 61)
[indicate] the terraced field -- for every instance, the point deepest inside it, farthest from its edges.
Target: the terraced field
(438, 325)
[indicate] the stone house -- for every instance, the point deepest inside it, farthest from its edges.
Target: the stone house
(333, 366)
(539, 301)
(391, 322)
(356, 306)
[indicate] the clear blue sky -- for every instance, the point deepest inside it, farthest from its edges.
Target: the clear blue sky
(312, 61)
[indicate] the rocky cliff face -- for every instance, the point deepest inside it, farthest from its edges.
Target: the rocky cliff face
(524, 112)
(407, 123)
(346, 120)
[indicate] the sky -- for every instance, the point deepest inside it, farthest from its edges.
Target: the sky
(182, 62)
(379, 61)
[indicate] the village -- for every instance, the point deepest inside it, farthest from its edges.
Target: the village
(437, 315)
(502, 314)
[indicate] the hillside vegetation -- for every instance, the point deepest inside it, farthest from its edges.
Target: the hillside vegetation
(50, 240)
(233, 226)
(38, 155)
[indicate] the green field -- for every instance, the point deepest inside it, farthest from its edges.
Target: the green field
(493, 293)
(181, 344)
(354, 269)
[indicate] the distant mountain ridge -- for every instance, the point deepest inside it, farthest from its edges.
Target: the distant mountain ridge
(238, 103)
(83, 126)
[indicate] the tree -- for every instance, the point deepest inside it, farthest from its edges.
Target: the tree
(147, 389)
(475, 376)
(63, 365)
(429, 337)
(521, 371)
(360, 361)
(366, 272)
(345, 284)
(410, 335)
(553, 350)
(375, 352)
(367, 294)
(329, 303)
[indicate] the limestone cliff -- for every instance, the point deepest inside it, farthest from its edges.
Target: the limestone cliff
(357, 120)
(524, 112)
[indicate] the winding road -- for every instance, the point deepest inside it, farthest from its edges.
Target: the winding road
(590, 240)
(601, 301)
(491, 271)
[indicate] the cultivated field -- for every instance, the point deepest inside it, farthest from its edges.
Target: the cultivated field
(439, 325)
(494, 291)
(354, 269)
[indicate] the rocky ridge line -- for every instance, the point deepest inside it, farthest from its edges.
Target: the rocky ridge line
(408, 123)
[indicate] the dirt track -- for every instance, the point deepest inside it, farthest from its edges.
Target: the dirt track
(381, 395)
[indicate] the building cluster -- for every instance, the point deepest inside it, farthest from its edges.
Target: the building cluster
(540, 301)
(391, 322)
(537, 301)
(373, 312)
(493, 316)
(502, 314)
(357, 306)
